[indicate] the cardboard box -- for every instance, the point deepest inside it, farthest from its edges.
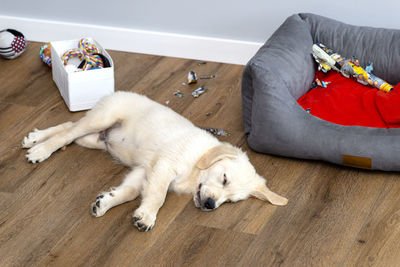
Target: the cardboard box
(80, 90)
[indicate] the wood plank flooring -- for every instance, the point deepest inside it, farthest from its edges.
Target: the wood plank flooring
(336, 216)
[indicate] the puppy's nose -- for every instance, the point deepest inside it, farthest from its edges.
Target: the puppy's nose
(209, 203)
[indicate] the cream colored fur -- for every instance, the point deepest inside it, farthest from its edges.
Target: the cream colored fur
(165, 152)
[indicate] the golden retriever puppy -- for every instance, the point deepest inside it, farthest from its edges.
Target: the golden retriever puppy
(164, 150)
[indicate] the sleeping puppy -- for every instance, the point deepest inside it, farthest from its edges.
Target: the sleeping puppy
(164, 150)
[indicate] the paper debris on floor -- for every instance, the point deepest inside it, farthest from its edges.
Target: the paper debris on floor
(199, 91)
(178, 93)
(192, 77)
(216, 131)
(212, 76)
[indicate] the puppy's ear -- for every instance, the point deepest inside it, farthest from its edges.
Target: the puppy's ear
(264, 193)
(216, 154)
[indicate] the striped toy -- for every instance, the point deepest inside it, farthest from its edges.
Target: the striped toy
(12, 43)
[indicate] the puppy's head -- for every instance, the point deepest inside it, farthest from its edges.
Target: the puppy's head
(226, 175)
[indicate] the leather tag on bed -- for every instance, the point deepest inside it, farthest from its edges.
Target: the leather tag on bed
(355, 161)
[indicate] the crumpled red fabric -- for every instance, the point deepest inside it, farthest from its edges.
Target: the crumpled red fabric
(347, 102)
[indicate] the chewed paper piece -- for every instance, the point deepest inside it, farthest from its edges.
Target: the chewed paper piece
(369, 68)
(199, 91)
(212, 76)
(192, 77)
(319, 83)
(178, 93)
(216, 131)
(323, 84)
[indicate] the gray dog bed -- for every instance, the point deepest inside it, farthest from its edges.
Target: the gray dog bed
(283, 70)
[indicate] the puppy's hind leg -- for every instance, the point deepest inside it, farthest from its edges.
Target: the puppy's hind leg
(101, 117)
(127, 191)
(92, 141)
(38, 136)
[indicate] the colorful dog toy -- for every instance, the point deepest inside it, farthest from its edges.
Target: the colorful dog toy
(328, 59)
(89, 54)
(45, 54)
(12, 43)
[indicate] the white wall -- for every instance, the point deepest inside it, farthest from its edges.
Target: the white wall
(251, 22)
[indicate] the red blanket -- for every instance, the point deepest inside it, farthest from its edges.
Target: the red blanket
(347, 102)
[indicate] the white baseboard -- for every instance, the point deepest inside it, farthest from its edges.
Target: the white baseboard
(138, 41)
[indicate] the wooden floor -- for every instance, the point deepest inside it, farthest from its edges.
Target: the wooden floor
(336, 216)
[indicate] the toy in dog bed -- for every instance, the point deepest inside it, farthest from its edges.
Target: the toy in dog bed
(12, 43)
(328, 59)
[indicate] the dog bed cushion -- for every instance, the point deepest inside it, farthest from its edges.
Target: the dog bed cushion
(283, 70)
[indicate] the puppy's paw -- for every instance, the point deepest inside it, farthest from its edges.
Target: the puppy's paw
(38, 153)
(32, 139)
(143, 221)
(104, 201)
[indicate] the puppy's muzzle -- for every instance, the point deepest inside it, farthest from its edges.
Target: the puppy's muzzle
(209, 204)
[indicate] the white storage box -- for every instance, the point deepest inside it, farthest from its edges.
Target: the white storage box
(81, 90)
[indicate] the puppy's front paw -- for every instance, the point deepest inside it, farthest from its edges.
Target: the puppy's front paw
(32, 139)
(143, 221)
(104, 201)
(38, 153)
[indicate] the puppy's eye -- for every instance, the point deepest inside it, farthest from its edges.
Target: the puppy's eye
(225, 180)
